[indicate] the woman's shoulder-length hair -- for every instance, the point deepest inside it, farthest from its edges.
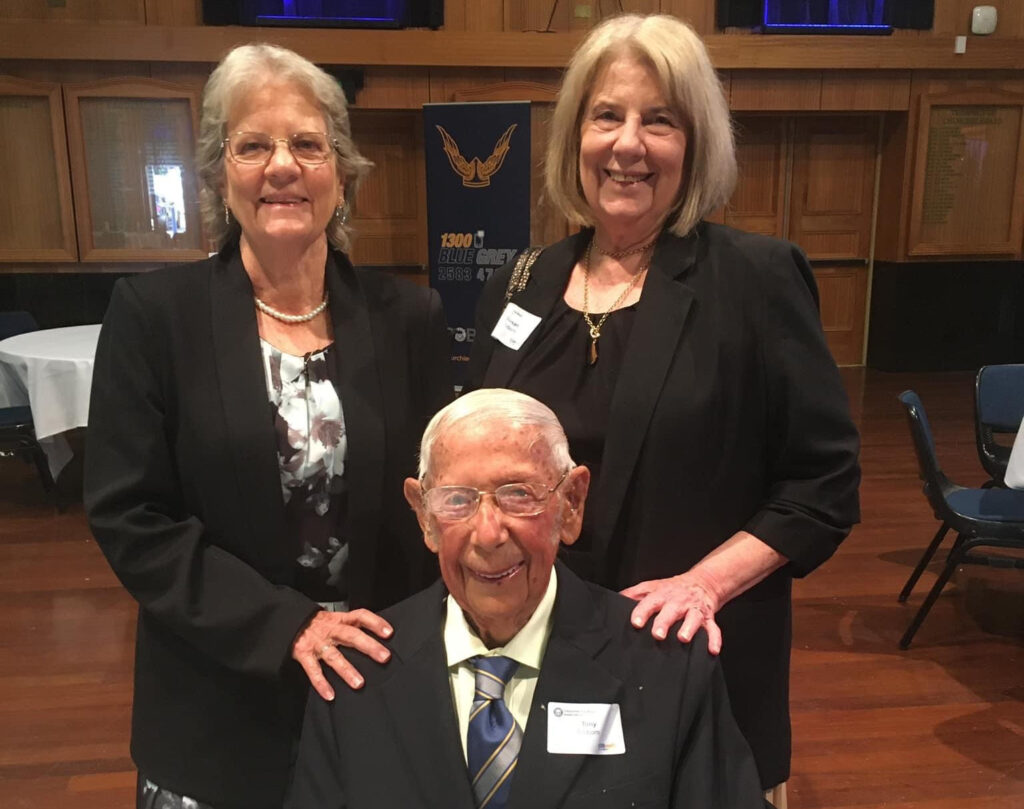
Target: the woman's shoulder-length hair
(676, 54)
(244, 69)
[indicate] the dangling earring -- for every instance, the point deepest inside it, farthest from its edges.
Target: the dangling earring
(341, 212)
(227, 214)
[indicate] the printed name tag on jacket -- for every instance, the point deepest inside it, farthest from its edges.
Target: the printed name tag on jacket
(585, 728)
(514, 326)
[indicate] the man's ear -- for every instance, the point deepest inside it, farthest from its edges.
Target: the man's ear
(574, 495)
(414, 497)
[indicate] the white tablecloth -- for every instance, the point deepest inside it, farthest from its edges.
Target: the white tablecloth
(1015, 468)
(51, 372)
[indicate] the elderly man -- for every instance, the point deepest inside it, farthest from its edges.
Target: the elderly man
(512, 683)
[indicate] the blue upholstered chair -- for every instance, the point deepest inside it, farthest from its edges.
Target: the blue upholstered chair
(998, 409)
(990, 518)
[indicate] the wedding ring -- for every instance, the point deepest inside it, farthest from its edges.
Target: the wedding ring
(325, 647)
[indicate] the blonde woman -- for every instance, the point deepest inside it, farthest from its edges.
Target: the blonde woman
(687, 364)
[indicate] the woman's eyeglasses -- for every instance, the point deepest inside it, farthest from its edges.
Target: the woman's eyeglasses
(514, 499)
(256, 148)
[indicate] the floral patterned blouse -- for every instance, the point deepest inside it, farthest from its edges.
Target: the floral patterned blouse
(311, 449)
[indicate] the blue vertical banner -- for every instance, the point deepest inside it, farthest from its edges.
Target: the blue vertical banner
(478, 204)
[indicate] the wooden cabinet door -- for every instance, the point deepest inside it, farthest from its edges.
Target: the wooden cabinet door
(758, 203)
(133, 170)
(833, 185)
(843, 290)
(36, 217)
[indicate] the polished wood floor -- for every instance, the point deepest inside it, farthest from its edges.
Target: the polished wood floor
(940, 726)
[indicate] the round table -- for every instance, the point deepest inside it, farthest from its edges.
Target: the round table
(51, 371)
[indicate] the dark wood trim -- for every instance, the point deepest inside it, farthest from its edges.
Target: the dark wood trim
(106, 42)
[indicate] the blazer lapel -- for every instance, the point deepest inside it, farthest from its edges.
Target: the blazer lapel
(238, 360)
(569, 673)
(418, 700)
(652, 347)
(548, 279)
(362, 405)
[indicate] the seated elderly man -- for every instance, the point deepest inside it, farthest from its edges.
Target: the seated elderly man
(512, 683)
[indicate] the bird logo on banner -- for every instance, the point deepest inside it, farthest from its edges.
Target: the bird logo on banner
(476, 173)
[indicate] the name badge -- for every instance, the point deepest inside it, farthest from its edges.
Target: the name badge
(514, 326)
(584, 728)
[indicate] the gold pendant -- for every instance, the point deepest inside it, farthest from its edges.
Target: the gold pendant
(592, 354)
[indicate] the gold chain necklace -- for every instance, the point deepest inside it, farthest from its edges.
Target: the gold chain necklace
(595, 330)
(632, 251)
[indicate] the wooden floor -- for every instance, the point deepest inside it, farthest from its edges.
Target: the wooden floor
(938, 727)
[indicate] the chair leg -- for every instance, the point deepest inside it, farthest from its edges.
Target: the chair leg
(43, 468)
(951, 563)
(923, 563)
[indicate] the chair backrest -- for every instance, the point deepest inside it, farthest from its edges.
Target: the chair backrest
(12, 323)
(935, 480)
(998, 408)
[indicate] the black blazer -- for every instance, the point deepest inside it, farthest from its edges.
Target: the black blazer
(395, 743)
(184, 497)
(728, 414)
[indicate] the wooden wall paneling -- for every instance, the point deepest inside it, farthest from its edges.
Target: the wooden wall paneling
(725, 77)
(833, 185)
(485, 15)
(36, 216)
(404, 88)
(189, 75)
(174, 12)
(389, 214)
(583, 14)
(112, 193)
(843, 294)
(74, 11)
(698, 13)
(968, 179)
(446, 83)
(609, 8)
(537, 15)
(455, 15)
(966, 82)
(883, 90)
(758, 203)
(765, 90)
(65, 72)
(552, 77)
(181, 43)
(893, 188)
(547, 225)
(508, 91)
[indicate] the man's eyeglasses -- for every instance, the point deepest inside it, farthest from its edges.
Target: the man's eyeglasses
(514, 499)
(256, 148)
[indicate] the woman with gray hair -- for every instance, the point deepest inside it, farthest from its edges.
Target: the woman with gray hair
(253, 417)
(687, 364)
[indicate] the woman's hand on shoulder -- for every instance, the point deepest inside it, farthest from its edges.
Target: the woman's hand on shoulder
(687, 597)
(317, 645)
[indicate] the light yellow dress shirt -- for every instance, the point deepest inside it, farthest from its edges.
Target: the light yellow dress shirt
(527, 648)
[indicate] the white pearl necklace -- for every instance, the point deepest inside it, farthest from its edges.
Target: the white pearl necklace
(274, 313)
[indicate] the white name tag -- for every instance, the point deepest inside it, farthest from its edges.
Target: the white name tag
(514, 326)
(582, 728)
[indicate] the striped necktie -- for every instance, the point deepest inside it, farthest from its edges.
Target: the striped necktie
(494, 738)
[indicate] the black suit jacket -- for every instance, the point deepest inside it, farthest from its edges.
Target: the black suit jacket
(184, 497)
(728, 414)
(395, 743)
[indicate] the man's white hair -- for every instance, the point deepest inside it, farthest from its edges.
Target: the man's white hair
(490, 405)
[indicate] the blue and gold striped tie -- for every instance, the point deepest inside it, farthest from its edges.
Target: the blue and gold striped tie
(494, 738)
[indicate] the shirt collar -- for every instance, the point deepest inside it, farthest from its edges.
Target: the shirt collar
(527, 646)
